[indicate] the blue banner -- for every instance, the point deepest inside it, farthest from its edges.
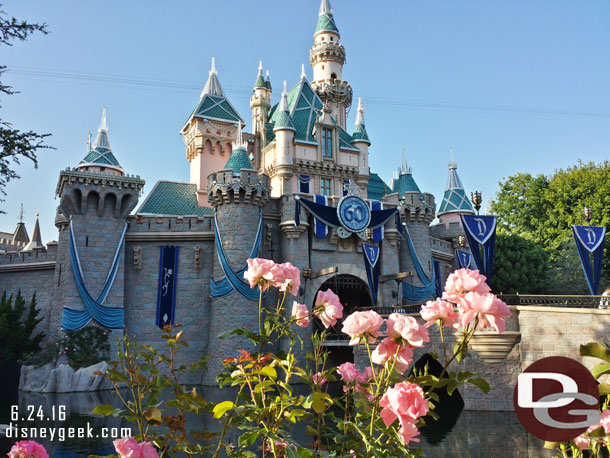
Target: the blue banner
(481, 233)
(463, 259)
(590, 241)
(417, 293)
(320, 229)
(437, 279)
(371, 263)
(377, 233)
(166, 295)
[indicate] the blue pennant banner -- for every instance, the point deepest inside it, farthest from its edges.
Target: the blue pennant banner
(481, 233)
(590, 240)
(463, 258)
(377, 233)
(438, 279)
(320, 229)
(166, 295)
(371, 263)
(109, 317)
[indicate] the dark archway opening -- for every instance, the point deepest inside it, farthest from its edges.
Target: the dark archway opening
(354, 294)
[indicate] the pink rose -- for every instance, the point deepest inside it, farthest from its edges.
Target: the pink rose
(328, 308)
(300, 314)
(364, 377)
(463, 281)
(348, 372)
(439, 310)
(604, 421)
(362, 326)
(407, 329)
(490, 309)
(318, 379)
(286, 277)
(128, 447)
(385, 352)
(28, 449)
(258, 269)
(404, 402)
(582, 442)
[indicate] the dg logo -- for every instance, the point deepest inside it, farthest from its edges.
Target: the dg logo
(556, 399)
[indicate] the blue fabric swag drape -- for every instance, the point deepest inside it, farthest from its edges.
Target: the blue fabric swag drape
(109, 317)
(417, 293)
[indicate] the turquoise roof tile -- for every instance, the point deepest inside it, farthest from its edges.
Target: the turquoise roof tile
(376, 188)
(304, 106)
(171, 198)
(326, 23)
(239, 160)
(360, 134)
(345, 141)
(405, 183)
(260, 82)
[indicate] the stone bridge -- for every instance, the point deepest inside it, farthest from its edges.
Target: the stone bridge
(539, 326)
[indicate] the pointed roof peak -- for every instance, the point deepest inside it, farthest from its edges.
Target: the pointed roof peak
(405, 169)
(260, 67)
(212, 86)
(36, 241)
(360, 115)
(360, 131)
(239, 141)
(325, 8)
(103, 125)
(455, 199)
(100, 153)
(303, 73)
(452, 163)
(260, 81)
(284, 120)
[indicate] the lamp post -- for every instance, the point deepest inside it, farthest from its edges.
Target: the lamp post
(462, 241)
(476, 199)
(587, 213)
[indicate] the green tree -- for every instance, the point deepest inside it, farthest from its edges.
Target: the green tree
(543, 208)
(520, 265)
(16, 144)
(17, 327)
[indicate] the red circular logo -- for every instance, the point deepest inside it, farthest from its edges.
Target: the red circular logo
(556, 399)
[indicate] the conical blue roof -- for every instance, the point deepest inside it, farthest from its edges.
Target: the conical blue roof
(238, 160)
(282, 119)
(455, 199)
(326, 20)
(100, 154)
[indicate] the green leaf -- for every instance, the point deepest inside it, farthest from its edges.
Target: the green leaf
(452, 385)
(464, 375)
(480, 383)
(220, 409)
(551, 445)
(321, 401)
(269, 372)
(247, 439)
(263, 385)
(291, 452)
(153, 415)
(104, 409)
(600, 369)
(596, 350)
(604, 389)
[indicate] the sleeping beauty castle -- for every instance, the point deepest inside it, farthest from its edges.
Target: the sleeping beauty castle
(298, 188)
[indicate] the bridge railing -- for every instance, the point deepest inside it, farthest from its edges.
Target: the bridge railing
(545, 300)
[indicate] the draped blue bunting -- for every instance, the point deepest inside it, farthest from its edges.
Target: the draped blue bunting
(417, 293)
(481, 232)
(438, 279)
(320, 229)
(463, 259)
(235, 280)
(328, 215)
(109, 317)
(372, 267)
(304, 183)
(377, 233)
(166, 293)
(590, 240)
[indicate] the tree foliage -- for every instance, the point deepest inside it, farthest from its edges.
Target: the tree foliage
(16, 144)
(542, 209)
(520, 265)
(17, 326)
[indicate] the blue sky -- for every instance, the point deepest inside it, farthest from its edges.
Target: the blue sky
(520, 85)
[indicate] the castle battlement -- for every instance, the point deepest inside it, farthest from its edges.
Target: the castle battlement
(29, 260)
(139, 225)
(226, 184)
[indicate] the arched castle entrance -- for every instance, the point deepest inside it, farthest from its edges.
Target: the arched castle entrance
(354, 294)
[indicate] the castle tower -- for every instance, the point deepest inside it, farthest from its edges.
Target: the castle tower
(208, 134)
(360, 139)
(95, 199)
(327, 57)
(36, 242)
(237, 194)
(260, 104)
(417, 210)
(455, 201)
(284, 137)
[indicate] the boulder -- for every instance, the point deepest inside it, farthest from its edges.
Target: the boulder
(64, 376)
(63, 379)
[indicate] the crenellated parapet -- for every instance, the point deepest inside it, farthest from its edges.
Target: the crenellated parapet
(418, 207)
(324, 51)
(334, 90)
(105, 193)
(246, 186)
(36, 259)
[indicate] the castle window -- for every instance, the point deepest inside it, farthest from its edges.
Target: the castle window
(345, 185)
(304, 183)
(332, 38)
(325, 188)
(333, 76)
(327, 143)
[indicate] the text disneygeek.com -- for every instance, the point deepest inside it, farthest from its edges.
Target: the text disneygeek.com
(61, 433)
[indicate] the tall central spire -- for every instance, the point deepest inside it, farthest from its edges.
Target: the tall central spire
(213, 86)
(326, 20)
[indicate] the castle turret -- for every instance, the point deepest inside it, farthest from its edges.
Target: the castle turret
(209, 133)
(237, 193)
(284, 137)
(327, 57)
(260, 103)
(36, 242)
(360, 140)
(95, 201)
(455, 201)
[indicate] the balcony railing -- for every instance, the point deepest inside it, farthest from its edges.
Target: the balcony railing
(542, 300)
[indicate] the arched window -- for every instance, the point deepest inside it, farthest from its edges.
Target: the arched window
(333, 76)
